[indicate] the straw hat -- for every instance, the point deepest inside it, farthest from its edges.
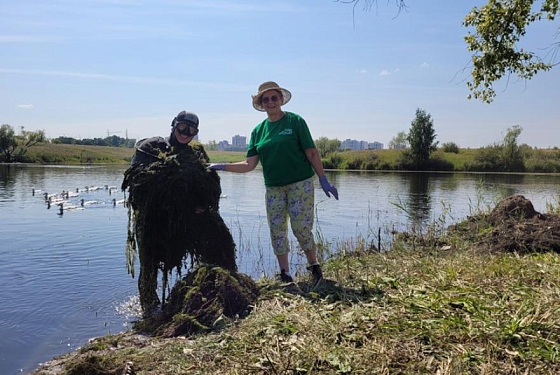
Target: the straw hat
(267, 86)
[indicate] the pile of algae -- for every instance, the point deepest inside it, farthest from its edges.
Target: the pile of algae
(173, 207)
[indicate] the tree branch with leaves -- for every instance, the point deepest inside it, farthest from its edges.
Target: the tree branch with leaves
(498, 29)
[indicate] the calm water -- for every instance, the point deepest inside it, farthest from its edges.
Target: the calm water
(63, 278)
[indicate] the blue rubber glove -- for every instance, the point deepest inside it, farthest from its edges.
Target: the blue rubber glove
(217, 167)
(328, 188)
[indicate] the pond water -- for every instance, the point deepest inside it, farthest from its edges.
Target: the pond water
(63, 278)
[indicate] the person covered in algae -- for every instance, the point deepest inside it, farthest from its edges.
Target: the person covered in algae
(284, 146)
(175, 203)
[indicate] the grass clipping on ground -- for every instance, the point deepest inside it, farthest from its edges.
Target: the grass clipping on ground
(449, 306)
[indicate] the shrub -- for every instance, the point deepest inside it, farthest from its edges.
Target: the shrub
(363, 161)
(333, 161)
(450, 147)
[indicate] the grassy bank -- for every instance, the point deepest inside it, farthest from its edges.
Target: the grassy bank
(431, 305)
(49, 153)
(468, 160)
(472, 160)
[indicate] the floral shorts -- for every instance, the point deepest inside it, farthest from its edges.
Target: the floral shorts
(295, 201)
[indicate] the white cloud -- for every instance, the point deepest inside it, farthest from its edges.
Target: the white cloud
(424, 65)
(128, 79)
(385, 72)
(25, 106)
(361, 71)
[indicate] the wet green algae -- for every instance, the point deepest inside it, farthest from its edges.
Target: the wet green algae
(173, 215)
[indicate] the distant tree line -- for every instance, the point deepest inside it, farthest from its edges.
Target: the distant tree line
(13, 147)
(417, 151)
(112, 141)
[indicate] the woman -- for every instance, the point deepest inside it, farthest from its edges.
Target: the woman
(285, 148)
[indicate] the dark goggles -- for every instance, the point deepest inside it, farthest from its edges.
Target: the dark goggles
(186, 128)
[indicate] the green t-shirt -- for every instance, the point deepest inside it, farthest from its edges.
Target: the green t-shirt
(281, 148)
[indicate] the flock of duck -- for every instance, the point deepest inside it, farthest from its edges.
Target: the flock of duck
(66, 200)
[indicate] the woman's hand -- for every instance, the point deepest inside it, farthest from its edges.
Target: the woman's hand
(328, 188)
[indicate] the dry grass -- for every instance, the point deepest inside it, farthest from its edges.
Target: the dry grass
(425, 310)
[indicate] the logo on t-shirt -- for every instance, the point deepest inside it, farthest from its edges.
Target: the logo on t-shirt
(285, 132)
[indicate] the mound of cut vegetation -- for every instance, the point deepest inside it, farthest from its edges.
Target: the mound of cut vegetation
(514, 226)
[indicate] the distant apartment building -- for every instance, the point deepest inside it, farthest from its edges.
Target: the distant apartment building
(239, 141)
(223, 145)
(352, 144)
(375, 146)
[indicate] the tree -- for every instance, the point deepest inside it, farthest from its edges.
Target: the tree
(399, 141)
(327, 146)
(14, 146)
(450, 147)
(505, 156)
(498, 29)
(8, 142)
(499, 26)
(421, 137)
(511, 154)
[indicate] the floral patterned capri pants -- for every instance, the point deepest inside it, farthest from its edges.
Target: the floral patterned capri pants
(296, 201)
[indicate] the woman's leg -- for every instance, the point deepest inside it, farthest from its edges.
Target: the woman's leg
(277, 216)
(301, 205)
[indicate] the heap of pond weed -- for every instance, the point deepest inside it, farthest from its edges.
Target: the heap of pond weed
(173, 214)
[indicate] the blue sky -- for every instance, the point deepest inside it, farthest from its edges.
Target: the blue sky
(82, 67)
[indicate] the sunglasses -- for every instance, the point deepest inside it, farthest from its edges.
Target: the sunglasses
(187, 129)
(266, 99)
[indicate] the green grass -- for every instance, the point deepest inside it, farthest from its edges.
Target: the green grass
(226, 156)
(50, 153)
(415, 309)
(390, 159)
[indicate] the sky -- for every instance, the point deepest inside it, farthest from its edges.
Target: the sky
(88, 68)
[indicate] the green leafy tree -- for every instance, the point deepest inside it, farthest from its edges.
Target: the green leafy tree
(450, 147)
(506, 156)
(8, 142)
(28, 139)
(327, 146)
(498, 28)
(494, 43)
(399, 141)
(14, 147)
(511, 154)
(422, 138)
